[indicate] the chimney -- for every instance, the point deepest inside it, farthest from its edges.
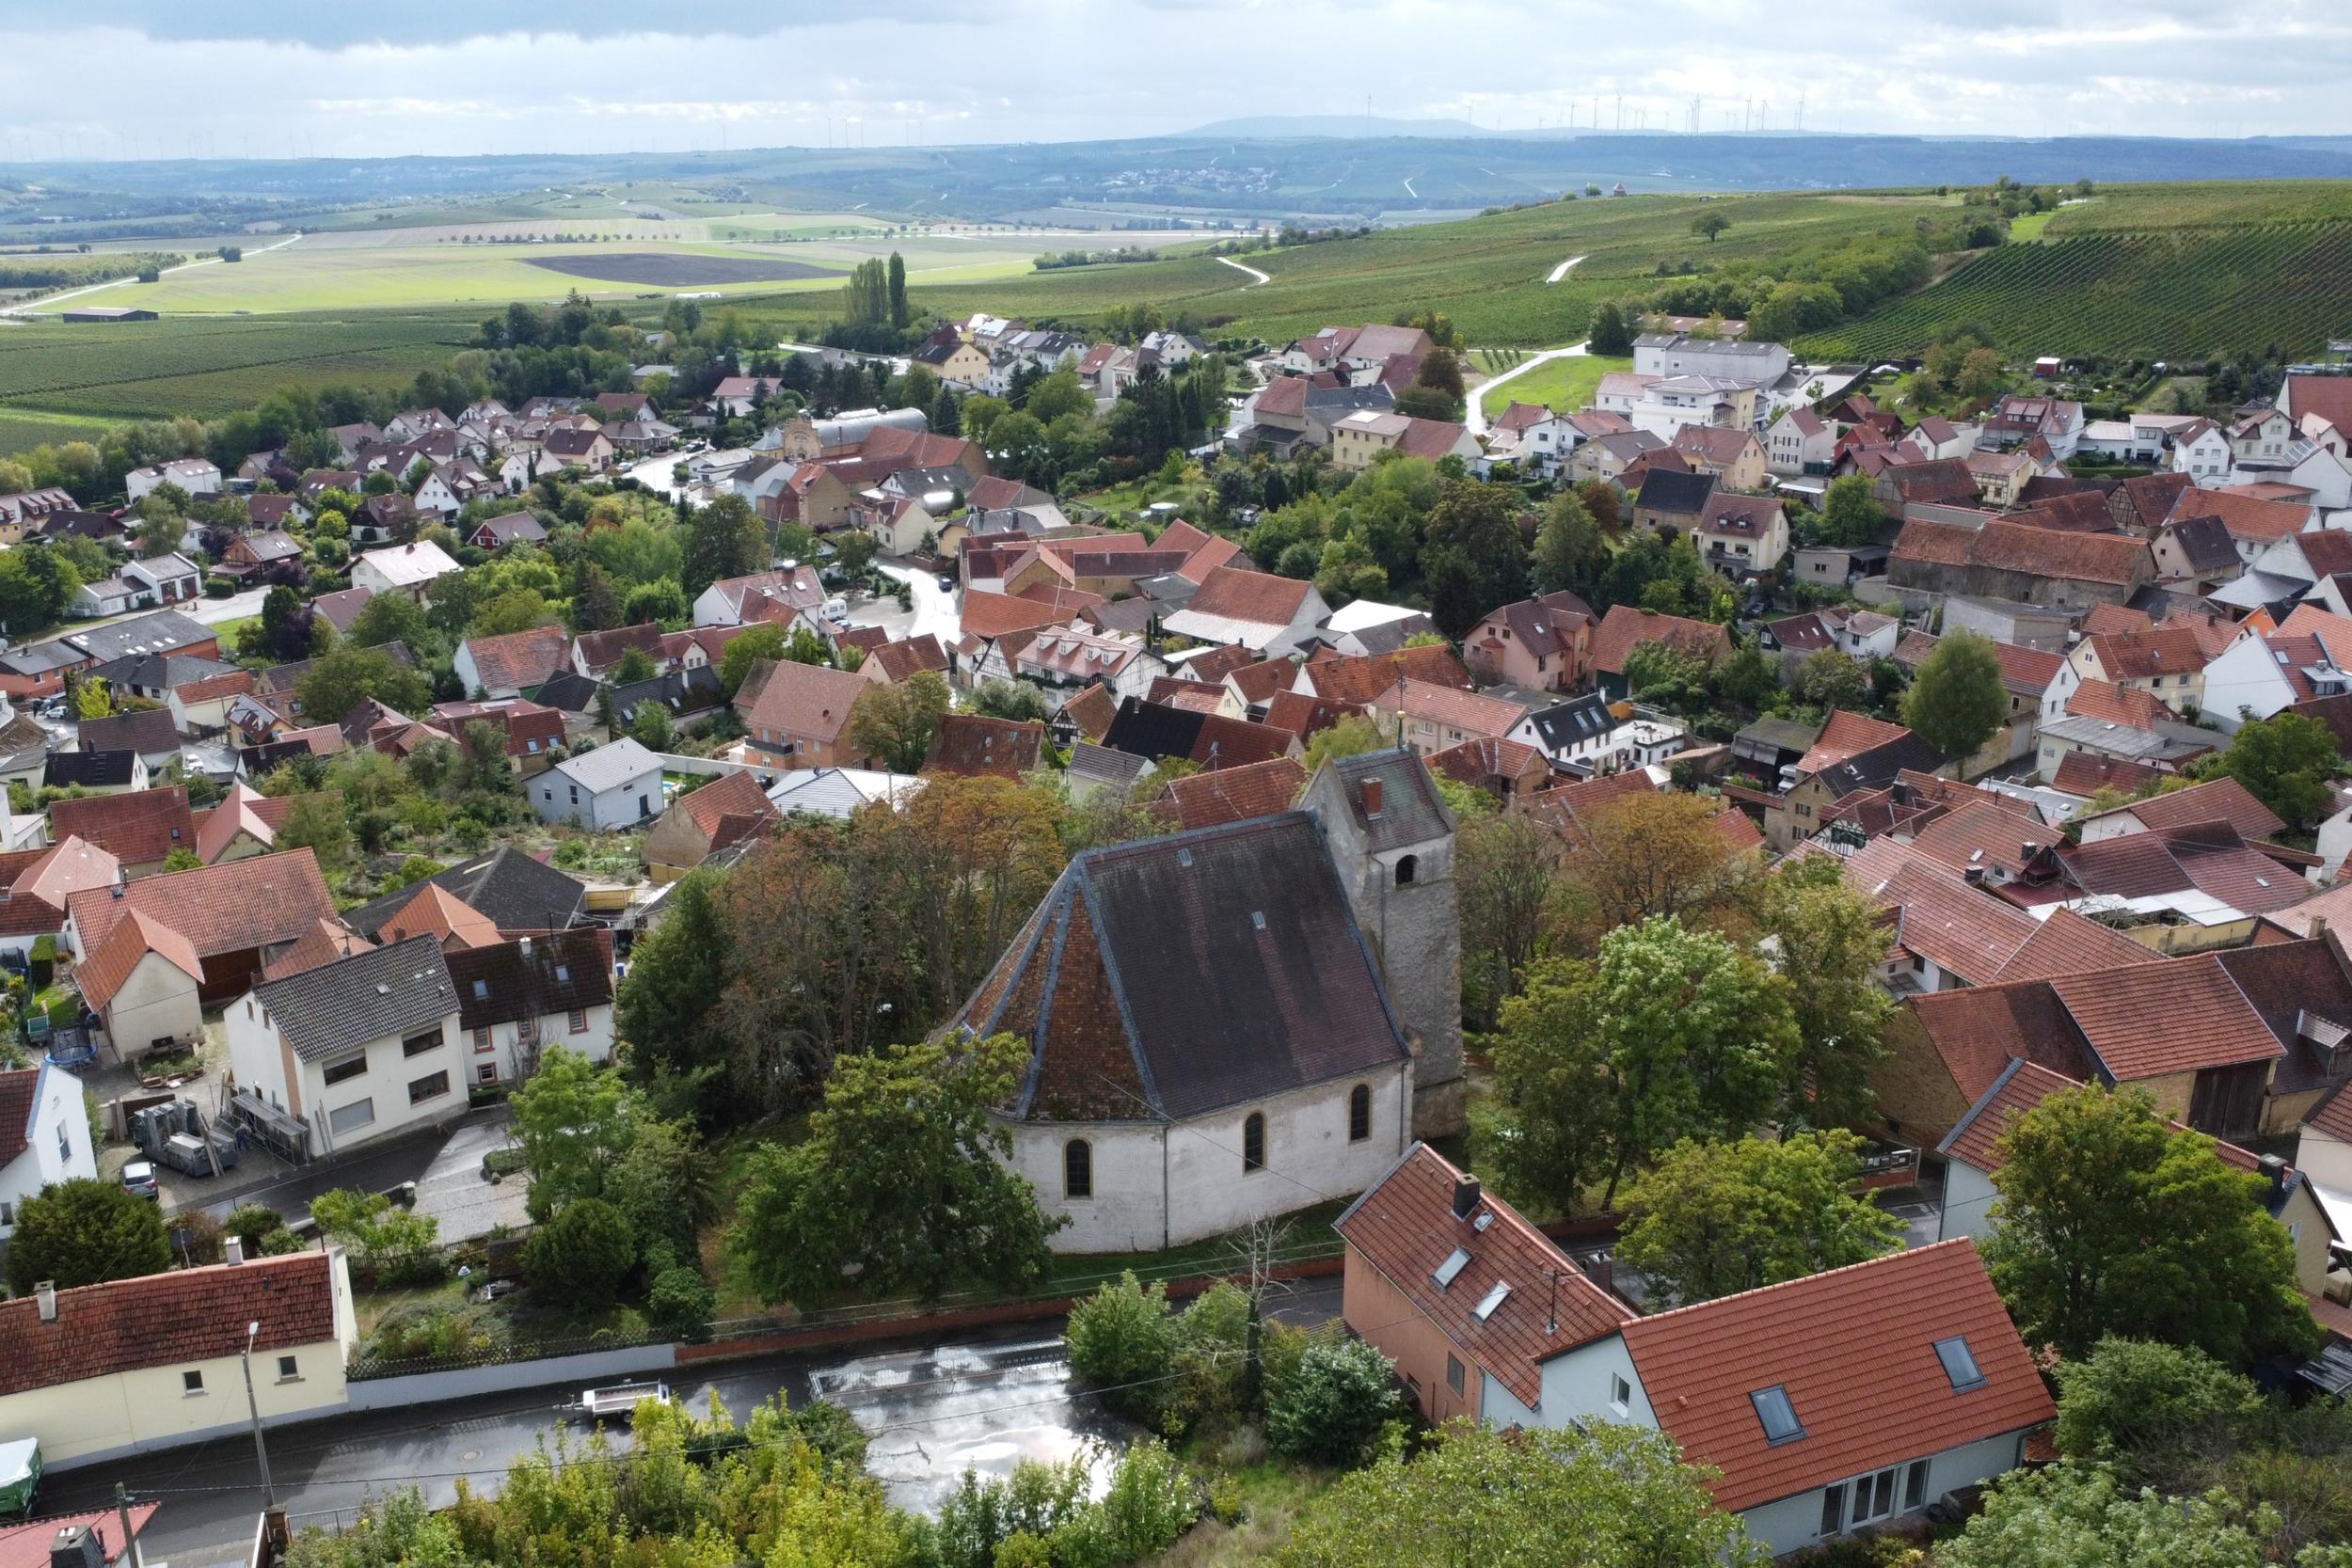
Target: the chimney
(45, 1300)
(77, 1547)
(2275, 1170)
(234, 1248)
(2318, 926)
(1465, 1197)
(526, 947)
(2031, 850)
(1372, 799)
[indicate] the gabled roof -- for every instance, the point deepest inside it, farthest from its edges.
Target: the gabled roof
(1847, 735)
(2022, 1086)
(137, 829)
(1405, 1227)
(111, 959)
(520, 660)
(147, 732)
(178, 1317)
(437, 913)
(973, 744)
(1232, 794)
(910, 657)
(18, 1101)
(544, 976)
(1674, 494)
(518, 893)
(1156, 730)
(1360, 678)
(1471, 712)
(1626, 627)
(2083, 773)
(1177, 975)
(801, 700)
(1958, 928)
(2066, 943)
(219, 908)
(1254, 598)
(2246, 516)
(2221, 800)
(1854, 1351)
(375, 994)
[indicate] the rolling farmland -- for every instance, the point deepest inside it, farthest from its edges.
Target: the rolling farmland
(2192, 293)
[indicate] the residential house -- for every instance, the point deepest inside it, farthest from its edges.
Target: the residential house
(597, 654)
(971, 745)
(1671, 501)
(1855, 752)
(98, 772)
(2168, 663)
(193, 475)
(781, 594)
(44, 1138)
(893, 662)
(1853, 1399)
(1734, 456)
(1426, 717)
(798, 715)
(512, 663)
(2221, 800)
(339, 609)
(1627, 627)
(149, 733)
(199, 938)
(515, 998)
(1589, 735)
(140, 830)
(1198, 733)
(1607, 457)
(266, 553)
(702, 821)
(35, 883)
(1067, 657)
(406, 569)
(1801, 442)
(615, 785)
(243, 825)
(2020, 562)
(1535, 437)
(1360, 437)
(2263, 673)
(108, 1371)
(1506, 769)
(507, 528)
(1544, 644)
(1741, 536)
(1263, 613)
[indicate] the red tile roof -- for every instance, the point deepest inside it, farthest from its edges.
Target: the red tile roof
(2203, 1019)
(2116, 705)
(1405, 1229)
(25, 1545)
(2019, 1089)
(2222, 800)
(1360, 678)
(165, 1320)
(972, 744)
(1855, 1349)
(2066, 943)
(1625, 628)
(601, 650)
(1232, 794)
(2144, 654)
(219, 908)
(806, 701)
(518, 659)
(1307, 717)
(16, 1110)
(1958, 928)
(2108, 620)
(1473, 713)
(2244, 516)
(1256, 598)
(137, 829)
(911, 656)
(1254, 683)
(990, 615)
(1847, 735)
(2082, 773)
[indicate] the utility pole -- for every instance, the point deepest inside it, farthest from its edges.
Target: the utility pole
(129, 1542)
(253, 1409)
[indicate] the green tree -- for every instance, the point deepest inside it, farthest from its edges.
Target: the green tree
(1958, 700)
(318, 822)
(766, 641)
(1712, 1219)
(2144, 1407)
(2077, 1517)
(633, 666)
(1981, 373)
(725, 539)
(1709, 224)
(378, 1231)
(2285, 762)
(286, 624)
(581, 1256)
(2112, 1222)
(515, 610)
(572, 1120)
(674, 975)
(650, 726)
(392, 618)
(1828, 944)
(900, 313)
(349, 674)
(1669, 1033)
(900, 1180)
(85, 1232)
(897, 723)
(1331, 1409)
(182, 859)
(1833, 678)
(1592, 1496)
(1472, 556)
(1351, 737)
(1611, 334)
(1568, 549)
(1851, 514)
(1015, 700)
(1122, 1338)
(596, 604)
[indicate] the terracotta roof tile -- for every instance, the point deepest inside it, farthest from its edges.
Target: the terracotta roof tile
(805, 701)
(910, 657)
(1471, 712)
(2143, 655)
(1855, 1349)
(1960, 929)
(1847, 735)
(2082, 773)
(1092, 711)
(1232, 794)
(17, 1105)
(518, 659)
(2204, 1020)
(220, 908)
(1257, 598)
(987, 615)
(137, 829)
(164, 1320)
(2116, 705)
(1405, 1228)
(2222, 800)
(1362, 677)
(2066, 943)
(1307, 717)
(2244, 516)
(1475, 762)
(972, 744)
(2019, 1089)
(1625, 628)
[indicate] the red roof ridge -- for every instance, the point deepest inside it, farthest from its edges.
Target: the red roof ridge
(1716, 1302)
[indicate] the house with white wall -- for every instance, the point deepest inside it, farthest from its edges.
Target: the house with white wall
(1841, 1401)
(44, 1137)
(517, 998)
(105, 1372)
(618, 784)
(408, 570)
(360, 1047)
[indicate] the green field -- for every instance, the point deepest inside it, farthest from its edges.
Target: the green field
(1563, 386)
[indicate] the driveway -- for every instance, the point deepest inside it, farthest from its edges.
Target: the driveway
(445, 1164)
(1477, 413)
(934, 611)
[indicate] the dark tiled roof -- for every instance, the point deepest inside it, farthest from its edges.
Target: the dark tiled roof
(562, 972)
(92, 770)
(376, 993)
(146, 732)
(1663, 490)
(1175, 976)
(158, 633)
(517, 891)
(1411, 810)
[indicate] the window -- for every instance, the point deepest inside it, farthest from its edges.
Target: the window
(1446, 1272)
(1833, 1508)
(481, 1041)
(7, 1212)
(1778, 1416)
(1916, 1485)
(1620, 1393)
(65, 1149)
(288, 1371)
(1253, 1143)
(1454, 1372)
(1077, 1168)
(431, 1086)
(1874, 1495)
(417, 1045)
(1959, 1364)
(348, 1068)
(192, 1383)
(1359, 1113)
(579, 1021)
(487, 1074)
(1406, 868)
(481, 989)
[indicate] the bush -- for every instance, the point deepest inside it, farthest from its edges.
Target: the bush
(1211, 1353)
(428, 1330)
(2132, 1404)
(43, 967)
(1333, 1408)
(197, 1239)
(253, 1224)
(1149, 1502)
(682, 1302)
(1122, 1335)
(581, 1256)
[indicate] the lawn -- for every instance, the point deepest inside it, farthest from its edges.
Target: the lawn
(1561, 384)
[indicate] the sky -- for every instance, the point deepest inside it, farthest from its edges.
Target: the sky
(267, 79)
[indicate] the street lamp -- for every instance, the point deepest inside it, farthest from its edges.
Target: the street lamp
(260, 1449)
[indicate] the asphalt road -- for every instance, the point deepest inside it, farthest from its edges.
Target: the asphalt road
(986, 1401)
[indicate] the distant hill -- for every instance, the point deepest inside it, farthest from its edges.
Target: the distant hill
(1276, 127)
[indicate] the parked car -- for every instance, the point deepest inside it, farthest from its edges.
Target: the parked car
(947, 583)
(139, 1177)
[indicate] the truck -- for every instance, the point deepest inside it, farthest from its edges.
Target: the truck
(618, 1401)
